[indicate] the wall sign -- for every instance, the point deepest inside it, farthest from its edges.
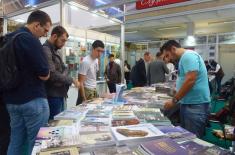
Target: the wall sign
(144, 4)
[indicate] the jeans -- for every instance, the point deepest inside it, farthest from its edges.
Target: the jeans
(5, 129)
(26, 120)
(112, 87)
(193, 117)
(56, 105)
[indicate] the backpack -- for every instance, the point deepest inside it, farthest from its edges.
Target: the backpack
(9, 70)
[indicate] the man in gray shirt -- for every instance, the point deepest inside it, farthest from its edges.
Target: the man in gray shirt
(157, 70)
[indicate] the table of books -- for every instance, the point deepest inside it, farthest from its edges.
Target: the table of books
(135, 126)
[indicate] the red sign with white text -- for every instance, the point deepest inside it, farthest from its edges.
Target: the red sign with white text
(144, 4)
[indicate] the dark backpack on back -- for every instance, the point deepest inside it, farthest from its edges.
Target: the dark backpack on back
(9, 70)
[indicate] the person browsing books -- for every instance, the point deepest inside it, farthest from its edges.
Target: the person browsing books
(27, 105)
(58, 84)
(192, 89)
(87, 72)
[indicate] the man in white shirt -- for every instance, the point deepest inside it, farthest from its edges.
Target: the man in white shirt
(87, 72)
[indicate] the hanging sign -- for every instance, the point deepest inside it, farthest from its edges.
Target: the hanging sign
(144, 4)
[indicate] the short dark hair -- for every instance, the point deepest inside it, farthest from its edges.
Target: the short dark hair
(169, 44)
(111, 56)
(159, 54)
(59, 31)
(39, 16)
(147, 53)
(97, 43)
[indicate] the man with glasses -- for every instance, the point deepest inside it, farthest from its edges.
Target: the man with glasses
(87, 72)
(27, 104)
(58, 84)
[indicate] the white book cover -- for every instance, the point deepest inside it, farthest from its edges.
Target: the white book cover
(136, 133)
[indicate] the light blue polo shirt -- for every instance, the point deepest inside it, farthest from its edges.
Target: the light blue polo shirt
(199, 93)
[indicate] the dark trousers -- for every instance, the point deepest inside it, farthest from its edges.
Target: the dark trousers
(5, 129)
(56, 105)
(218, 84)
(112, 87)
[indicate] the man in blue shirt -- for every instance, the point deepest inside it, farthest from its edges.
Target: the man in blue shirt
(27, 104)
(192, 87)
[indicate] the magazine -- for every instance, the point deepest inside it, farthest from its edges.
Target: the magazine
(62, 151)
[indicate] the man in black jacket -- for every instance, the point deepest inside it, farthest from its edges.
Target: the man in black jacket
(140, 71)
(112, 74)
(58, 84)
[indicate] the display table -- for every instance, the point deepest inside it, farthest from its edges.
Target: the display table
(103, 124)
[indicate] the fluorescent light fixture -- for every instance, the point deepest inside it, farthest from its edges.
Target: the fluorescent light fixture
(168, 28)
(100, 1)
(78, 5)
(112, 22)
(130, 32)
(221, 22)
(73, 7)
(190, 41)
(94, 15)
(27, 5)
(20, 20)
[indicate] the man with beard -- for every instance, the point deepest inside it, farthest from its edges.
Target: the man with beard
(192, 87)
(58, 84)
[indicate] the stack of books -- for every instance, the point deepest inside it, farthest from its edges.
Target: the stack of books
(122, 115)
(75, 113)
(152, 115)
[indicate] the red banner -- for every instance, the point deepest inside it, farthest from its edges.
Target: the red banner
(144, 4)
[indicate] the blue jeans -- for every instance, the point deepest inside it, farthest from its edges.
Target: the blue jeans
(193, 117)
(56, 105)
(26, 120)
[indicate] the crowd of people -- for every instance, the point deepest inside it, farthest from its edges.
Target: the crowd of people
(44, 82)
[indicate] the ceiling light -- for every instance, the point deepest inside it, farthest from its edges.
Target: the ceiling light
(20, 20)
(94, 15)
(112, 22)
(190, 41)
(27, 6)
(129, 32)
(168, 28)
(79, 5)
(221, 22)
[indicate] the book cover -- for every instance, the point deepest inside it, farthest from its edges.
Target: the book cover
(98, 113)
(69, 115)
(135, 133)
(99, 139)
(133, 121)
(93, 128)
(124, 150)
(177, 133)
(62, 151)
(53, 137)
(215, 150)
(192, 147)
(95, 121)
(164, 146)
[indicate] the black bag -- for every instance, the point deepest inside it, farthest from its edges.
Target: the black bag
(9, 70)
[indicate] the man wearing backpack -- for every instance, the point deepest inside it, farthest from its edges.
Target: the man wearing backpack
(58, 84)
(27, 104)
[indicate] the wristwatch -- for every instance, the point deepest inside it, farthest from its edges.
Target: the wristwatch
(175, 100)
